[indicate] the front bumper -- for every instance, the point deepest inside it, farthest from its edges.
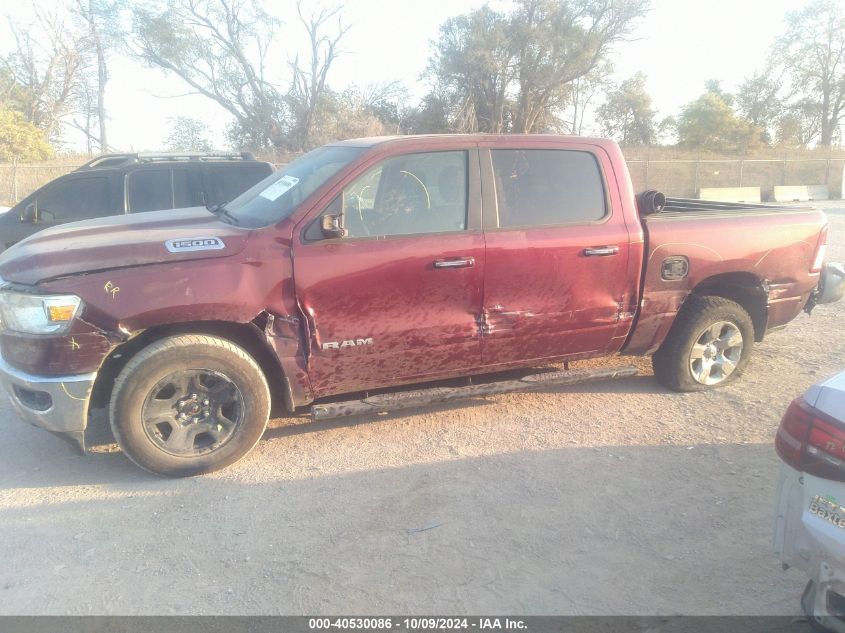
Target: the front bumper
(56, 403)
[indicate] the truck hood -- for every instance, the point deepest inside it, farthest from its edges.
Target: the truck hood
(121, 241)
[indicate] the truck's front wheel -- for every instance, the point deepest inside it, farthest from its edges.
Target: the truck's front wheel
(708, 346)
(189, 404)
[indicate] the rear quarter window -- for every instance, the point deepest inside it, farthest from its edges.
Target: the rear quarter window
(538, 187)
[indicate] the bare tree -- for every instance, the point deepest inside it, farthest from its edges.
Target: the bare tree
(45, 69)
(220, 48)
(309, 83)
(582, 92)
(87, 109)
(98, 17)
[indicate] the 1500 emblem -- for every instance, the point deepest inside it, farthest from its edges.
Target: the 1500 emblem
(358, 342)
(187, 244)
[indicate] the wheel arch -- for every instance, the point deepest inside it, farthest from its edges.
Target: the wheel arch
(744, 288)
(247, 335)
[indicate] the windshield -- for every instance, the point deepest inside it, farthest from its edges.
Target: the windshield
(275, 197)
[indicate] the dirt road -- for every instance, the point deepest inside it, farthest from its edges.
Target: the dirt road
(613, 498)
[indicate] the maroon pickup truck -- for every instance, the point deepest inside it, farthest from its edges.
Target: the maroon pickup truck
(376, 263)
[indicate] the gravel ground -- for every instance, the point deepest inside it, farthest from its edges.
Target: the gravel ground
(612, 498)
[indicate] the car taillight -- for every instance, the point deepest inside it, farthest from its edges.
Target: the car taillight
(821, 250)
(811, 442)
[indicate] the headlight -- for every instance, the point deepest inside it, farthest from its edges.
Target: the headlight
(37, 314)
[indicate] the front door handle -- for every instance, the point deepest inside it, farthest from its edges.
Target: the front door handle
(601, 251)
(463, 262)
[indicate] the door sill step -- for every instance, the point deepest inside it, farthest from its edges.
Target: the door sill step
(386, 402)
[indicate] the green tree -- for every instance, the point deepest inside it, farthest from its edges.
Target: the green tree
(710, 123)
(430, 117)
(187, 134)
(514, 72)
(798, 126)
(21, 139)
(627, 114)
(812, 52)
(760, 103)
(472, 66)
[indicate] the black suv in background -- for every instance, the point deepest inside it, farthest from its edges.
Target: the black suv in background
(113, 184)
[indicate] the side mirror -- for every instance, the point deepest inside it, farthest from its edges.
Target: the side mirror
(29, 213)
(332, 225)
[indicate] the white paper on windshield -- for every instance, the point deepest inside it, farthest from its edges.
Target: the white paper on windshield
(278, 188)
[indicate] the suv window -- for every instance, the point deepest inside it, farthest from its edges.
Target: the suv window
(411, 194)
(224, 184)
(157, 189)
(537, 187)
(150, 190)
(75, 199)
(182, 194)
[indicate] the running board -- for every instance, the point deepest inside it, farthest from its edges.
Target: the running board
(383, 403)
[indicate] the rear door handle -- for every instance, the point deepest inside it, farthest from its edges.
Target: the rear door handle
(601, 251)
(463, 262)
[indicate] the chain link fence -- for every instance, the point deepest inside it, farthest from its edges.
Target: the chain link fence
(681, 178)
(18, 180)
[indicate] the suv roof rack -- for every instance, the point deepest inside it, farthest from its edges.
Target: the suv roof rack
(118, 160)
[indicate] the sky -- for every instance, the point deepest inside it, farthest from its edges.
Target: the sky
(679, 45)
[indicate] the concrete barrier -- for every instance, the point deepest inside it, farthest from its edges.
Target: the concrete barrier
(730, 194)
(801, 193)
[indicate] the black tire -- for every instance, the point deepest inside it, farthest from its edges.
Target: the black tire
(672, 363)
(221, 373)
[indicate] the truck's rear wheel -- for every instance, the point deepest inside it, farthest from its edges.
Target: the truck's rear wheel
(189, 404)
(708, 346)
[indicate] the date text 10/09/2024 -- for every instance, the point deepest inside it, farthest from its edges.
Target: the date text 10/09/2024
(417, 624)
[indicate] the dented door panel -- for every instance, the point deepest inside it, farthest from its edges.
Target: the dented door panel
(386, 310)
(545, 299)
(557, 291)
(380, 312)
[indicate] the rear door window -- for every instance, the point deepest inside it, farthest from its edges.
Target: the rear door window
(75, 199)
(150, 190)
(538, 187)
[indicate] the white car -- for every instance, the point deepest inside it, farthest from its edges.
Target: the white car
(810, 524)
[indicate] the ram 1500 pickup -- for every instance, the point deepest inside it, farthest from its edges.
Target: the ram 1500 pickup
(373, 264)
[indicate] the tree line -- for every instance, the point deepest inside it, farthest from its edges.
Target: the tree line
(542, 66)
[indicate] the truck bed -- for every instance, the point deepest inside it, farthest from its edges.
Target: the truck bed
(765, 249)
